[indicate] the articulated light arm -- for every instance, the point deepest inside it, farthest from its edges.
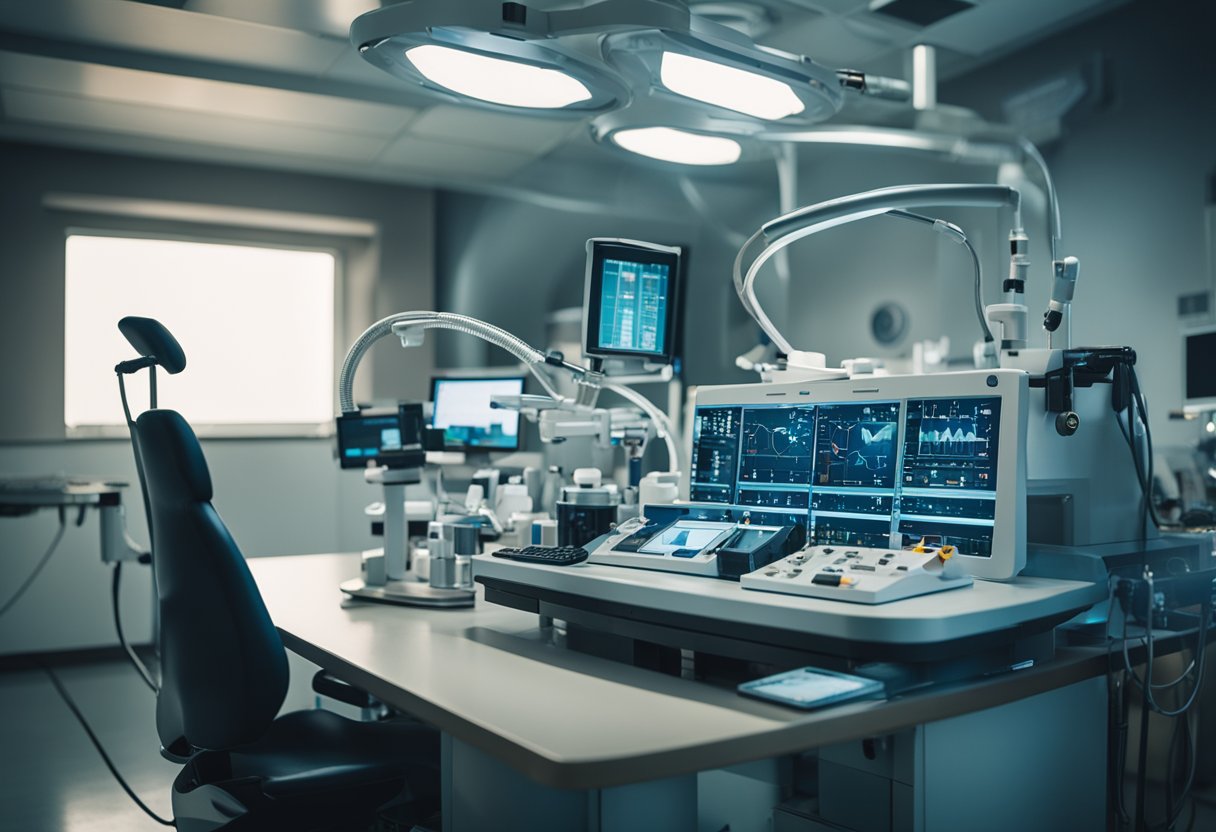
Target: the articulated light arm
(408, 326)
(785, 230)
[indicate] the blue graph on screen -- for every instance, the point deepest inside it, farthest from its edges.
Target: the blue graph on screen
(633, 306)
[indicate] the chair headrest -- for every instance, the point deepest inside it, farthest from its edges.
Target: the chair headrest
(150, 338)
(171, 453)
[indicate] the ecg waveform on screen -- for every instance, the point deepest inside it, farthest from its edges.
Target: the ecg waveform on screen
(950, 436)
(952, 443)
(856, 445)
(777, 445)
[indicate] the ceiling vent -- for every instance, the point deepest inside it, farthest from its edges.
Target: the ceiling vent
(920, 12)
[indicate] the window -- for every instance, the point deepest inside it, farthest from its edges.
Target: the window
(256, 324)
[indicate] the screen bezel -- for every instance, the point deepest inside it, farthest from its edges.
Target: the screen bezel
(601, 249)
(1009, 523)
(460, 447)
(410, 455)
(1197, 404)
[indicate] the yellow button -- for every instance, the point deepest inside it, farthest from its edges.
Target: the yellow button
(946, 552)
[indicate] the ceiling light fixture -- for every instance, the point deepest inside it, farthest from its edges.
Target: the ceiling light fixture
(735, 89)
(495, 80)
(668, 144)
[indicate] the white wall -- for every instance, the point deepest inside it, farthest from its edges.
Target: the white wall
(278, 496)
(1133, 172)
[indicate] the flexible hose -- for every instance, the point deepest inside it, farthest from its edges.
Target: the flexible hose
(790, 228)
(533, 358)
(663, 424)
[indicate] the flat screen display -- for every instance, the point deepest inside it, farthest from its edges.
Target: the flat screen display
(462, 410)
(684, 535)
(631, 300)
(870, 473)
(392, 438)
(1200, 367)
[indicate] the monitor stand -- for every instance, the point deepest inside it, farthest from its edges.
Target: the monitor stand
(400, 585)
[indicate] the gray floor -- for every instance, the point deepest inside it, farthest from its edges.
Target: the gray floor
(52, 779)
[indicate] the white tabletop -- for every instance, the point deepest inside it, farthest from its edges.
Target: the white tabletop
(983, 607)
(490, 677)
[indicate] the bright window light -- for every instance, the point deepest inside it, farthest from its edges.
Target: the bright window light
(256, 324)
(725, 86)
(678, 146)
(497, 80)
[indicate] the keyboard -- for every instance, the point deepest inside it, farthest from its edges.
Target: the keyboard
(551, 555)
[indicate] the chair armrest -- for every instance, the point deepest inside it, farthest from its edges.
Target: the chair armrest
(333, 687)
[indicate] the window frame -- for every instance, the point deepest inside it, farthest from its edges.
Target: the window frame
(252, 237)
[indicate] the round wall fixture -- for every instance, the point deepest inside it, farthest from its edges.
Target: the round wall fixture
(888, 323)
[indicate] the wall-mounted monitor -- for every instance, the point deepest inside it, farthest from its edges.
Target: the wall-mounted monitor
(884, 461)
(1199, 369)
(631, 300)
(374, 437)
(462, 411)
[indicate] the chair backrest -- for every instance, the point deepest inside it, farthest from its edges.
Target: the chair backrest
(223, 666)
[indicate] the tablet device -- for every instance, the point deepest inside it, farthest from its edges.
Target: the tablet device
(811, 687)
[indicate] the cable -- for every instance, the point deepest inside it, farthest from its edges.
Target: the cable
(88, 729)
(139, 666)
(63, 526)
(955, 233)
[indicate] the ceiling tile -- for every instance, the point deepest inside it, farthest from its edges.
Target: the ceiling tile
(86, 113)
(450, 160)
(484, 129)
(144, 27)
(200, 95)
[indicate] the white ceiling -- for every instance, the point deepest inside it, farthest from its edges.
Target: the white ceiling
(275, 82)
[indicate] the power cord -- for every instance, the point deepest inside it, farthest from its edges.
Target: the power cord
(1177, 799)
(88, 729)
(139, 666)
(63, 525)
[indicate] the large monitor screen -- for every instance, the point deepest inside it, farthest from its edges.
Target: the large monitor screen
(462, 410)
(631, 298)
(1199, 369)
(886, 471)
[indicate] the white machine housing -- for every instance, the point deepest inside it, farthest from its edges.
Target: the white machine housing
(865, 575)
(1084, 486)
(1008, 555)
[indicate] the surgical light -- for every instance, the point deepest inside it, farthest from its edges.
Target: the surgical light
(726, 86)
(502, 81)
(670, 145)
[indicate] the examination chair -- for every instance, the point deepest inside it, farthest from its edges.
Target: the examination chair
(224, 678)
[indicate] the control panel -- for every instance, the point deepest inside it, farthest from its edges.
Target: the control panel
(862, 575)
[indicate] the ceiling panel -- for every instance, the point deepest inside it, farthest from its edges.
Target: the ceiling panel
(85, 113)
(1002, 24)
(183, 34)
(470, 127)
(457, 161)
(199, 95)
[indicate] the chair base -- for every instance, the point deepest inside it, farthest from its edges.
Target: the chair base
(409, 593)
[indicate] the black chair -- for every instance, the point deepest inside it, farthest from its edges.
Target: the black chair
(224, 678)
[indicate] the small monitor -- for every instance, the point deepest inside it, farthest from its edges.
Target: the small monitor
(381, 437)
(462, 411)
(631, 300)
(1199, 369)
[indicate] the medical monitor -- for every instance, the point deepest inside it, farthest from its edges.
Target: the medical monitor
(882, 461)
(631, 299)
(462, 410)
(390, 437)
(1199, 369)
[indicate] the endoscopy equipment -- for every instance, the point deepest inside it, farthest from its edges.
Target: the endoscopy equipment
(697, 540)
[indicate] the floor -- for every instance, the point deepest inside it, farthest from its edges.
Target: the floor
(52, 780)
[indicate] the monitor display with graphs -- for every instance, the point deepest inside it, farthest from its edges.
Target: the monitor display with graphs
(882, 461)
(631, 300)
